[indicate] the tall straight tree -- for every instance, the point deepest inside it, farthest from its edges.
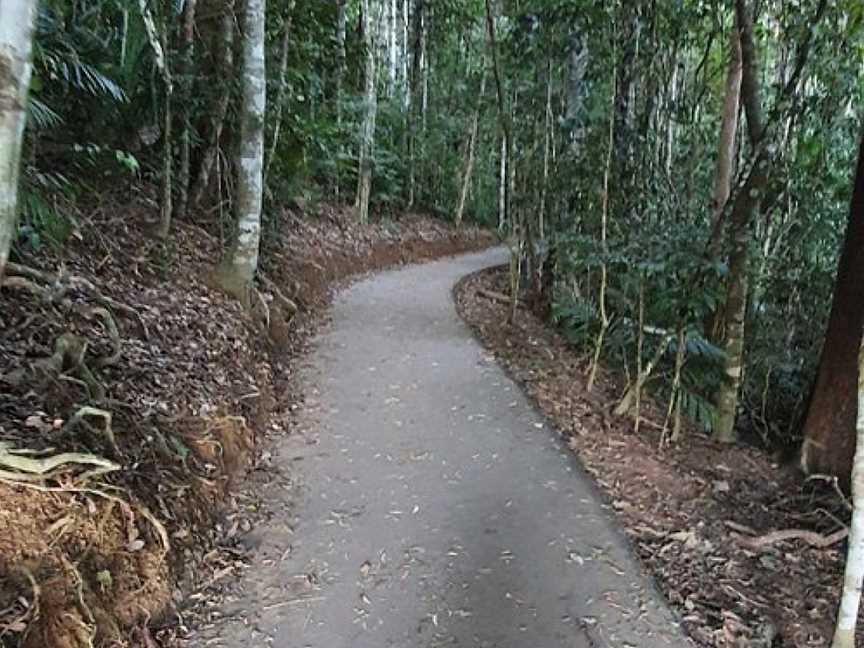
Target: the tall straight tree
(746, 206)
(239, 266)
(829, 425)
(839, 374)
(728, 135)
(16, 44)
(370, 111)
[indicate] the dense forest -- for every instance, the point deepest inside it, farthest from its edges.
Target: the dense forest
(673, 180)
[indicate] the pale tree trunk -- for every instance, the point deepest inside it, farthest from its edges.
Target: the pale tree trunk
(239, 266)
(547, 152)
(280, 92)
(745, 207)
(507, 179)
(725, 163)
(847, 618)
(370, 96)
(502, 185)
(392, 53)
(186, 67)
(16, 46)
(604, 220)
(470, 150)
(728, 135)
(225, 64)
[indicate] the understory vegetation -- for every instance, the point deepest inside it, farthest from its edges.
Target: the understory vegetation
(673, 180)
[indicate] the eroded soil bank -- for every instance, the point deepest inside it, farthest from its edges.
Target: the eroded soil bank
(701, 516)
(117, 349)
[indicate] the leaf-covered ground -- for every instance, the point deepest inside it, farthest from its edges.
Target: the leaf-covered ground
(116, 321)
(696, 513)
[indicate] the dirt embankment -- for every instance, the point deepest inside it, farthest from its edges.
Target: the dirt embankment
(701, 516)
(134, 398)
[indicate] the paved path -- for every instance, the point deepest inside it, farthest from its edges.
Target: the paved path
(435, 507)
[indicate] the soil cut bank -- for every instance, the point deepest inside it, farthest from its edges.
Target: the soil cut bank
(701, 516)
(134, 398)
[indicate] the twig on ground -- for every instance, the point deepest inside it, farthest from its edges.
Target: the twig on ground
(812, 538)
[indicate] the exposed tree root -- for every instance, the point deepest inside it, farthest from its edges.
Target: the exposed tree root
(125, 506)
(44, 467)
(54, 287)
(812, 538)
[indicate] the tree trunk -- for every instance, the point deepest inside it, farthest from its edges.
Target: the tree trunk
(728, 134)
(186, 83)
(280, 92)
(507, 172)
(847, 618)
(16, 45)
(341, 24)
(416, 95)
(829, 425)
(370, 96)
(469, 151)
(225, 64)
(241, 263)
(744, 209)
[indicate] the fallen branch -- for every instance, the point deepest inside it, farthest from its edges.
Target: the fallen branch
(494, 296)
(811, 538)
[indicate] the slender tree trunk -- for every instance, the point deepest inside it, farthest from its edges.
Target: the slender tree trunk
(604, 218)
(504, 119)
(547, 152)
(502, 185)
(829, 425)
(240, 265)
(341, 24)
(745, 208)
(367, 141)
(469, 151)
(16, 46)
(417, 84)
(225, 64)
(186, 83)
(728, 137)
(280, 92)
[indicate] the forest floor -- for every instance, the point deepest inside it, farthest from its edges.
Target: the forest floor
(708, 521)
(117, 348)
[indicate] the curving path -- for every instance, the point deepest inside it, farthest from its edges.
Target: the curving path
(435, 508)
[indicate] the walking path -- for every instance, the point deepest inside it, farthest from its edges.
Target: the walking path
(434, 507)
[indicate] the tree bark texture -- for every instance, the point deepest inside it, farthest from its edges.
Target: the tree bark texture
(745, 208)
(16, 46)
(370, 100)
(240, 265)
(829, 424)
(728, 136)
(850, 600)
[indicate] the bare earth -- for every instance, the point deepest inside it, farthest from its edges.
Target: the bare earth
(430, 504)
